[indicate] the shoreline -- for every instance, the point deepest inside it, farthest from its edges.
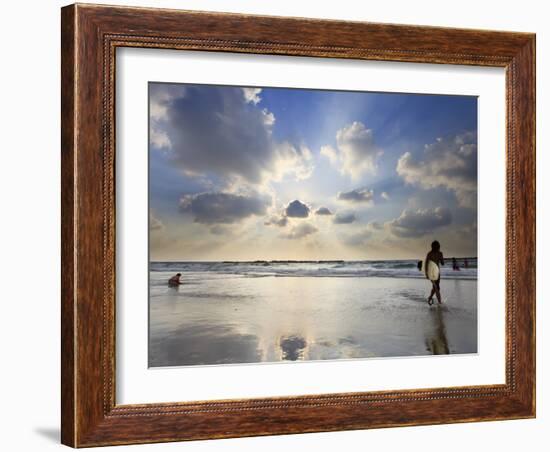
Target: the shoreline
(244, 275)
(288, 261)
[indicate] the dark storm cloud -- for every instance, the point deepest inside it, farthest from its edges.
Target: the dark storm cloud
(297, 209)
(221, 131)
(225, 208)
(323, 211)
(357, 195)
(416, 223)
(344, 218)
(299, 231)
(214, 130)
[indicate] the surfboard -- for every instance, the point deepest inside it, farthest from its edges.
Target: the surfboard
(433, 271)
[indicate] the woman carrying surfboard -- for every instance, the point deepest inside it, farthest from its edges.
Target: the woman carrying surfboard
(431, 268)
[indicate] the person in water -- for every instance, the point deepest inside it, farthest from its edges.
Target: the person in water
(436, 256)
(174, 281)
(455, 264)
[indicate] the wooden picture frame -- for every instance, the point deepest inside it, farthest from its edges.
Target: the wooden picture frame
(90, 36)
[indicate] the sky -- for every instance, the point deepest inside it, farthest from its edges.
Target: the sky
(248, 173)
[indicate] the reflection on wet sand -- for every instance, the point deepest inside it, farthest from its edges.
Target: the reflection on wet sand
(292, 348)
(437, 341)
(234, 320)
(200, 345)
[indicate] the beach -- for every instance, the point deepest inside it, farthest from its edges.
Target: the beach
(233, 313)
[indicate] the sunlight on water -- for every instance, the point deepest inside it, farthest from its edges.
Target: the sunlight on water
(222, 318)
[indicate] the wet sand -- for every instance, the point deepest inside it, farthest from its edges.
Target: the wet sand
(231, 319)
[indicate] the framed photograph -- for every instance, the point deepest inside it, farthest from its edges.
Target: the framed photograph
(281, 225)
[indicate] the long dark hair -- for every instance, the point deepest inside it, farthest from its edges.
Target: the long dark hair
(436, 246)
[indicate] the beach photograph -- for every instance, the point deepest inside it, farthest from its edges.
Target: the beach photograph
(290, 225)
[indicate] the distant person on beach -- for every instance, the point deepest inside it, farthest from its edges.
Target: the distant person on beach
(466, 263)
(455, 264)
(174, 281)
(436, 256)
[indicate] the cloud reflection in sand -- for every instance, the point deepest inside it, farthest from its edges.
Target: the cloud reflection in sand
(233, 319)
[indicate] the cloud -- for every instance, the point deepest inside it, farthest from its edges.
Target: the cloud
(416, 223)
(252, 95)
(356, 152)
(467, 231)
(365, 235)
(323, 211)
(159, 139)
(289, 159)
(449, 163)
(297, 209)
(225, 208)
(160, 98)
(299, 231)
(374, 226)
(276, 220)
(329, 152)
(359, 239)
(344, 218)
(221, 132)
(219, 230)
(358, 195)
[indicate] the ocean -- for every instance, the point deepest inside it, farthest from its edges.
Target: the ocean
(336, 268)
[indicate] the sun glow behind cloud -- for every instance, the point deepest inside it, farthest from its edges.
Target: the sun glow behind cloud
(256, 173)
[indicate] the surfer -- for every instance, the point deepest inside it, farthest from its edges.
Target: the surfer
(433, 259)
(174, 281)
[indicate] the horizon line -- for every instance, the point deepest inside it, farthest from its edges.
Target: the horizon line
(303, 260)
